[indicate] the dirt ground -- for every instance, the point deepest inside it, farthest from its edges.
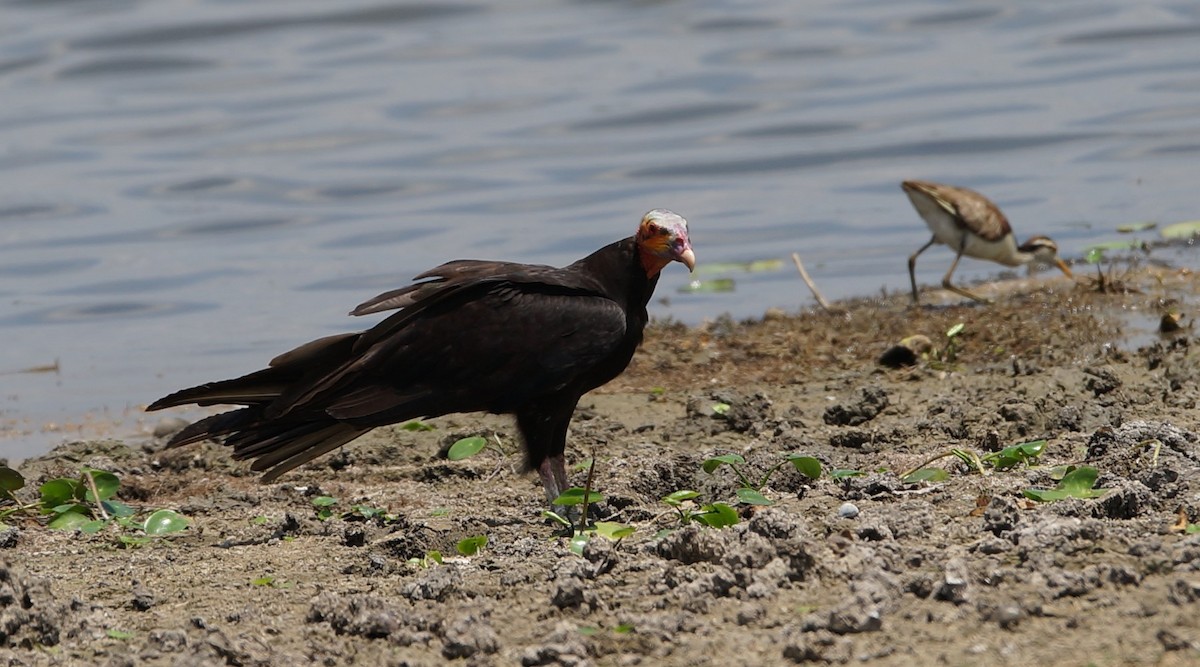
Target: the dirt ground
(860, 569)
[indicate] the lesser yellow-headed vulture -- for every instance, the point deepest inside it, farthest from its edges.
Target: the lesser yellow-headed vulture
(468, 336)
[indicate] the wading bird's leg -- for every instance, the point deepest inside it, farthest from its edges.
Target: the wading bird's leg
(912, 268)
(956, 289)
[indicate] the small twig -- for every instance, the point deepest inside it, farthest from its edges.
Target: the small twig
(95, 493)
(943, 455)
(808, 281)
(587, 492)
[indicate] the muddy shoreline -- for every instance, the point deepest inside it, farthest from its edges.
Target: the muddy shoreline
(850, 569)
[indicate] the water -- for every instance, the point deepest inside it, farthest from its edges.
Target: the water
(188, 188)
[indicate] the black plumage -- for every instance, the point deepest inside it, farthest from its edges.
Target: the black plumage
(469, 336)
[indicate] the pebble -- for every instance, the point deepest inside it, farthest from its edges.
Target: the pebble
(848, 511)
(169, 426)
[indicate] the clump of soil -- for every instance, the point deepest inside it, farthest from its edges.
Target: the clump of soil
(850, 569)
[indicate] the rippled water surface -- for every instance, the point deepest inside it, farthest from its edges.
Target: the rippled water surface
(188, 188)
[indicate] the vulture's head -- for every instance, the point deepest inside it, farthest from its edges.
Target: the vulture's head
(662, 238)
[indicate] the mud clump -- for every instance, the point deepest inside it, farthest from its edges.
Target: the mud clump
(871, 401)
(31, 615)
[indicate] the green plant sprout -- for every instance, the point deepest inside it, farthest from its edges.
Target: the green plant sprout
(714, 515)
(269, 581)
(465, 448)
(1077, 483)
(431, 558)
(750, 492)
(324, 506)
(113, 633)
(1025, 453)
(948, 354)
(842, 473)
(469, 546)
(591, 630)
(417, 425)
(583, 532)
(86, 504)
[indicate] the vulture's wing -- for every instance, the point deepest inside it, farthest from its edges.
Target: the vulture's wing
(485, 344)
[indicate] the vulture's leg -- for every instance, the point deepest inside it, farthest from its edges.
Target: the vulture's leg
(545, 431)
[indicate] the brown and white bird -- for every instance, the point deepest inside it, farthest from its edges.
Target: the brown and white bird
(469, 336)
(973, 226)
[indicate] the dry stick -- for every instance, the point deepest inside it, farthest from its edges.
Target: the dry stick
(808, 281)
(587, 491)
(943, 455)
(95, 493)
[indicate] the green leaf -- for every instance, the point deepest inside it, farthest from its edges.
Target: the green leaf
(69, 521)
(583, 465)
(416, 425)
(132, 541)
(72, 507)
(1192, 528)
(1044, 495)
(324, 501)
(720, 409)
(1080, 482)
(435, 556)
(93, 526)
(117, 509)
(955, 330)
(1181, 230)
(265, 580)
(716, 515)
(678, 497)
(469, 546)
(555, 516)
(260, 520)
(613, 530)
(752, 497)
(106, 485)
(807, 465)
(842, 473)
(57, 492)
(163, 522)
(1136, 227)
(623, 628)
(578, 542)
(1010, 456)
(574, 496)
(129, 523)
(708, 286)
(1077, 483)
(588, 630)
(1093, 256)
(1058, 472)
(10, 480)
(113, 633)
(466, 448)
(926, 475)
(717, 461)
